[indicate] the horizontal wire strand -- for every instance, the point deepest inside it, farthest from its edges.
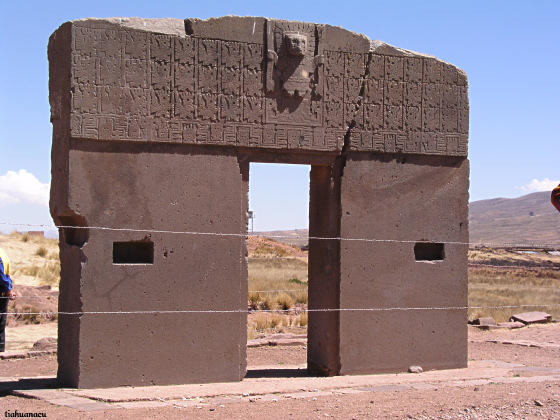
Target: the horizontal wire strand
(240, 311)
(550, 246)
(250, 291)
(483, 244)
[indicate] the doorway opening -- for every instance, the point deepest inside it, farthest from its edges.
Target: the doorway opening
(294, 273)
(278, 264)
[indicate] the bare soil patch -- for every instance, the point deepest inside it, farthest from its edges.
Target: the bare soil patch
(531, 354)
(530, 391)
(259, 246)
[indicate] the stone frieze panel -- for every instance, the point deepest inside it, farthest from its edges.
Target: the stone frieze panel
(141, 86)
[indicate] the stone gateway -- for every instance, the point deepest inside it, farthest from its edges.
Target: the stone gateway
(155, 123)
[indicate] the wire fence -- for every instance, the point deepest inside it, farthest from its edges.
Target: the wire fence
(241, 311)
(554, 247)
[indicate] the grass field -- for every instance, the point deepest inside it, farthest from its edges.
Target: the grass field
(527, 281)
(512, 278)
(35, 259)
(491, 287)
(277, 283)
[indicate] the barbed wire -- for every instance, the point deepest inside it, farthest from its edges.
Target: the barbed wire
(245, 311)
(482, 244)
(520, 267)
(547, 246)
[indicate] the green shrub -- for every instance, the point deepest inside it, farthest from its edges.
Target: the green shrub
(296, 281)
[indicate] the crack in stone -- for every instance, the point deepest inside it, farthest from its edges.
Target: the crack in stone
(352, 125)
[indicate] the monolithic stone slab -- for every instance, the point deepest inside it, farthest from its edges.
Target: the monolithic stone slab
(532, 317)
(155, 124)
(511, 325)
(406, 263)
(233, 81)
(484, 321)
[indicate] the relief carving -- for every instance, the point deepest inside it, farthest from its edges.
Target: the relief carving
(139, 86)
(292, 66)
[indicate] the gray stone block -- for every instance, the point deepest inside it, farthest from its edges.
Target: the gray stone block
(155, 123)
(532, 318)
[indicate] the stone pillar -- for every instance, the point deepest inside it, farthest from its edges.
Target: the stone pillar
(412, 214)
(148, 289)
(324, 270)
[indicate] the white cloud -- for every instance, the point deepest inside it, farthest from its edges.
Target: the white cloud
(536, 185)
(23, 187)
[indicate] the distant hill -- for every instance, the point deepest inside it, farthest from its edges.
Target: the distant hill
(529, 219)
(298, 237)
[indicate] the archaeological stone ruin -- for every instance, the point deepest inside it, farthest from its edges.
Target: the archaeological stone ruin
(155, 124)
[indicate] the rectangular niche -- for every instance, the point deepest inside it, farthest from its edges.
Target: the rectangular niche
(424, 251)
(133, 252)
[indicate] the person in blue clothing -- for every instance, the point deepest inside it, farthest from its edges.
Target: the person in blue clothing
(6, 294)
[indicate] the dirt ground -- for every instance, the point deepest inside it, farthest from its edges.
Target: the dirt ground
(522, 372)
(529, 389)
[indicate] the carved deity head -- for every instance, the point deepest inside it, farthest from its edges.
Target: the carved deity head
(296, 43)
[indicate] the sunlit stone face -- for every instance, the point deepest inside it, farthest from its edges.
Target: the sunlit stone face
(296, 43)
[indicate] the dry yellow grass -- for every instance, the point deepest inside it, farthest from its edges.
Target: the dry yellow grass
(281, 282)
(41, 251)
(513, 256)
(494, 287)
(49, 273)
(35, 259)
(284, 301)
(277, 282)
(302, 319)
(262, 323)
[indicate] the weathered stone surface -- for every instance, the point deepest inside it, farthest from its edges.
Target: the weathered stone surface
(532, 317)
(47, 343)
(155, 123)
(484, 321)
(144, 80)
(430, 291)
(511, 325)
(415, 369)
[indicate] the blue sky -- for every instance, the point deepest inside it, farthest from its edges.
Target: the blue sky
(509, 49)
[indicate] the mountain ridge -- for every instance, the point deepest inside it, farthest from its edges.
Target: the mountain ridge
(526, 221)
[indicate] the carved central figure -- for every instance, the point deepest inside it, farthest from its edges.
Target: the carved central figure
(296, 43)
(292, 68)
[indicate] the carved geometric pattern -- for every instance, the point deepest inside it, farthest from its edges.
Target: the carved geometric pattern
(139, 86)
(413, 105)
